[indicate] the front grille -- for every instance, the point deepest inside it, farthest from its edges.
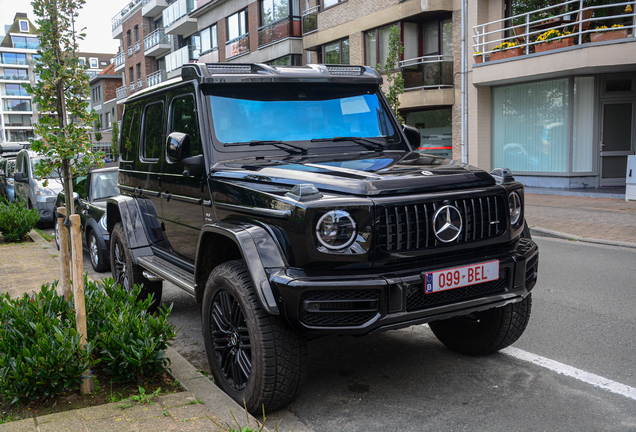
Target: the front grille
(416, 299)
(532, 267)
(340, 308)
(410, 227)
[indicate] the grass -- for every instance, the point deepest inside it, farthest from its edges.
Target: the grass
(45, 236)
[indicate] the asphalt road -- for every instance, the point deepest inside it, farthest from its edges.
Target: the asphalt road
(405, 380)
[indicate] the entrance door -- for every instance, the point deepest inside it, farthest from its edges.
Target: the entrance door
(617, 141)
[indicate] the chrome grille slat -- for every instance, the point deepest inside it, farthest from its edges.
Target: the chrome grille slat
(408, 228)
(398, 233)
(417, 229)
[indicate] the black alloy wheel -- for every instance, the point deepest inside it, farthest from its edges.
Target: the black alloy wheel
(98, 261)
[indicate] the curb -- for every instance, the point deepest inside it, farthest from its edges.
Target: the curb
(50, 248)
(544, 232)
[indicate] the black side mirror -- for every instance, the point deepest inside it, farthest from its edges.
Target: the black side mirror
(178, 146)
(193, 166)
(20, 178)
(413, 135)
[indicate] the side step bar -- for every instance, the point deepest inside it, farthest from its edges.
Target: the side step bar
(168, 271)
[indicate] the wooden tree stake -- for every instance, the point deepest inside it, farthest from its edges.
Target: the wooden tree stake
(65, 255)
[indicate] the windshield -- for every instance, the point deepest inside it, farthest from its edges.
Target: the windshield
(104, 185)
(35, 162)
(298, 112)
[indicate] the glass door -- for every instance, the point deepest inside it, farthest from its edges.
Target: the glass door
(617, 141)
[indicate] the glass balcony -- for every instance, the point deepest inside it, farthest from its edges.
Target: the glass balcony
(14, 77)
(13, 59)
(121, 92)
(178, 58)
(155, 78)
(15, 90)
(310, 20)
(238, 46)
(17, 105)
(176, 10)
(278, 30)
(123, 14)
(157, 37)
(428, 71)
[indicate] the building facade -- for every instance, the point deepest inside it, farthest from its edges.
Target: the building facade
(104, 102)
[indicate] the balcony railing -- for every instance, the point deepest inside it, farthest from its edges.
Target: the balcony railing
(238, 46)
(15, 77)
(121, 16)
(137, 46)
(177, 10)
(178, 58)
(155, 78)
(155, 38)
(130, 53)
(310, 20)
(576, 24)
(427, 72)
(140, 84)
(211, 56)
(279, 30)
(119, 59)
(26, 45)
(132, 87)
(121, 92)
(13, 61)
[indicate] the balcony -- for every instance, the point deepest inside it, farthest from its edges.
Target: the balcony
(279, 30)
(238, 46)
(310, 20)
(571, 25)
(140, 84)
(120, 61)
(427, 72)
(118, 19)
(130, 51)
(13, 60)
(11, 77)
(132, 87)
(121, 93)
(157, 43)
(153, 8)
(176, 20)
(155, 78)
(178, 58)
(137, 46)
(211, 56)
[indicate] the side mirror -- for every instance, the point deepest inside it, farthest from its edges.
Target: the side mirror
(178, 146)
(413, 135)
(193, 166)
(75, 196)
(20, 178)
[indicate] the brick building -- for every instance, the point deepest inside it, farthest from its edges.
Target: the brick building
(104, 101)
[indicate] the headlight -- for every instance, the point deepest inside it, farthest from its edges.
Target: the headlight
(514, 204)
(43, 191)
(336, 230)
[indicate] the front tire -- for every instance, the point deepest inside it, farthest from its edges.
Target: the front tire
(56, 230)
(126, 273)
(484, 332)
(255, 358)
(98, 260)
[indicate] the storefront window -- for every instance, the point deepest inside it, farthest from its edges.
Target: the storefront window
(582, 140)
(436, 129)
(530, 126)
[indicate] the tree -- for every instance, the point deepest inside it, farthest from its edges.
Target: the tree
(394, 78)
(98, 134)
(114, 143)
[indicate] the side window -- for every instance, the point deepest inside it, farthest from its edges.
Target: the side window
(129, 135)
(153, 126)
(184, 119)
(79, 185)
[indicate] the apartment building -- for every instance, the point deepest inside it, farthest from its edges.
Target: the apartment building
(18, 51)
(104, 87)
(559, 114)
(357, 32)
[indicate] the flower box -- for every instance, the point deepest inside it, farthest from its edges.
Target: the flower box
(608, 35)
(504, 54)
(555, 44)
(478, 58)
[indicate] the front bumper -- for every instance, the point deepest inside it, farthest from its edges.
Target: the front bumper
(45, 209)
(364, 304)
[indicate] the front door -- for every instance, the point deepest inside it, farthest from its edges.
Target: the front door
(617, 141)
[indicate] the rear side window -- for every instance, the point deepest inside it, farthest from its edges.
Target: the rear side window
(153, 127)
(129, 135)
(184, 119)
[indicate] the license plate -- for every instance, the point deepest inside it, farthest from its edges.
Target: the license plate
(458, 277)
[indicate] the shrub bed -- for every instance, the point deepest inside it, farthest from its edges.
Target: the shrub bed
(16, 220)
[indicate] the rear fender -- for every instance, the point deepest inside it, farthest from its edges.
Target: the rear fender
(124, 209)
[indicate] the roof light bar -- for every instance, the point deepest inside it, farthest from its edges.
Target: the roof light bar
(345, 70)
(229, 69)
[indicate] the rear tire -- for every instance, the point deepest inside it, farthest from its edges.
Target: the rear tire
(127, 274)
(484, 332)
(56, 231)
(98, 260)
(255, 358)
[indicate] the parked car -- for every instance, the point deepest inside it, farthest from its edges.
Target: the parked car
(30, 189)
(7, 167)
(291, 204)
(90, 194)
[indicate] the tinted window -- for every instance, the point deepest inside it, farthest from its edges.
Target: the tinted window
(153, 122)
(104, 185)
(129, 134)
(184, 119)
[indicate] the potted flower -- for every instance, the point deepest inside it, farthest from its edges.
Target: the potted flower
(605, 34)
(478, 56)
(506, 50)
(553, 39)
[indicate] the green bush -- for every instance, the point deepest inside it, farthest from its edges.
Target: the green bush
(16, 220)
(40, 351)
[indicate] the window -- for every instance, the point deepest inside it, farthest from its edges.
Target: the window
(82, 61)
(329, 3)
(93, 62)
(136, 33)
(337, 52)
(15, 90)
(129, 135)
(17, 120)
(209, 39)
(103, 63)
(132, 75)
(24, 26)
(107, 125)
(14, 58)
(16, 74)
(377, 46)
(184, 119)
(288, 60)
(435, 127)
(237, 25)
(153, 119)
(138, 71)
(17, 105)
(25, 42)
(129, 38)
(274, 10)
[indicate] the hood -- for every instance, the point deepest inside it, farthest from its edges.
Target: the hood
(364, 174)
(53, 183)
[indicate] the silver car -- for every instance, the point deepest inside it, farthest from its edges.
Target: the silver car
(31, 190)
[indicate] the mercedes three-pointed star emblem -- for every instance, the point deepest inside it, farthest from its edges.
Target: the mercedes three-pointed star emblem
(447, 223)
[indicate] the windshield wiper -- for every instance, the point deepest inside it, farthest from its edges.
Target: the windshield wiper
(364, 142)
(279, 144)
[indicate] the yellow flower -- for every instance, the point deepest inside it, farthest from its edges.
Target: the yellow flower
(628, 8)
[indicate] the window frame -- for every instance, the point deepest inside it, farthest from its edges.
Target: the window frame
(274, 21)
(20, 22)
(337, 3)
(340, 50)
(170, 122)
(90, 62)
(245, 24)
(142, 135)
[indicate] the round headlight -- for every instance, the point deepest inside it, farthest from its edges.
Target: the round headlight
(336, 230)
(514, 203)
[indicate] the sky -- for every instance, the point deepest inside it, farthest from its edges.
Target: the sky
(95, 16)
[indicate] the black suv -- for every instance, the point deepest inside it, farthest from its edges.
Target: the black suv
(290, 203)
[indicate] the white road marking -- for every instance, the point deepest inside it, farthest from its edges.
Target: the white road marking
(581, 375)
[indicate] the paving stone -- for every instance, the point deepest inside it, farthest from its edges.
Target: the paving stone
(112, 424)
(189, 412)
(75, 424)
(176, 399)
(102, 412)
(140, 412)
(27, 425)
(155, 425)
(200, 425)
